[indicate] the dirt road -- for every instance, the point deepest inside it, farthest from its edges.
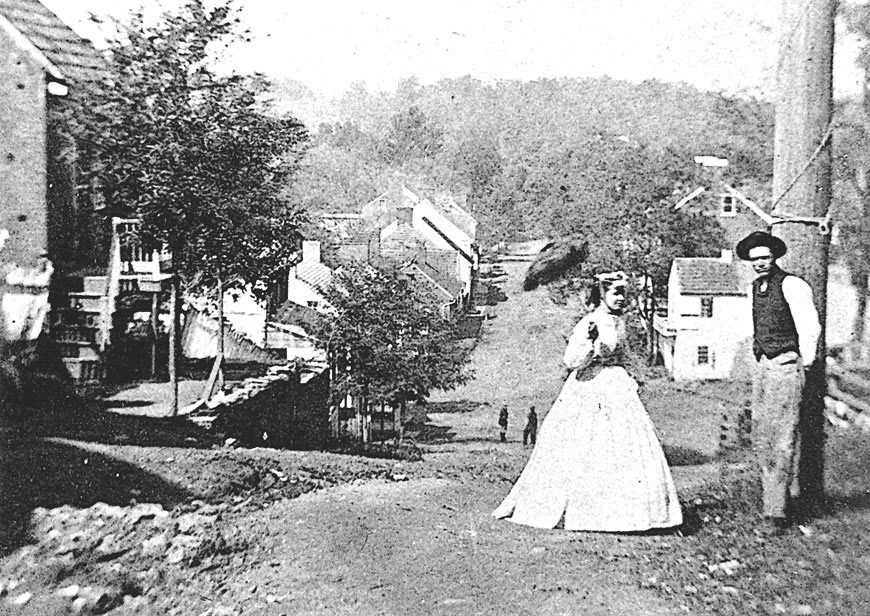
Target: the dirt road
(121, 514)
(194, 528)
(427, 545)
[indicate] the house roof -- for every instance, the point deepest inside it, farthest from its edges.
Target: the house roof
(448, 206)
(457, 215)
(69, 56)
(444, 262)
(290, 313)
(410, 194)
(424, 283)
(709, 276)
(401, 232)
(315, 274)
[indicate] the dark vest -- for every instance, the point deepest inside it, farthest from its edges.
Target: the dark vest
(775, 332)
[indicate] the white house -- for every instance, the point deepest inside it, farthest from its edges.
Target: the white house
(708, 328)
(305, 284)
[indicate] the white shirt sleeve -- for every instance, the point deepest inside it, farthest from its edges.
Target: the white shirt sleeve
(799, 296)
(580, 349)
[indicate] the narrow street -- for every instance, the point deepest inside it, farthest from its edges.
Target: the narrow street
(427, 545)
(135, 515)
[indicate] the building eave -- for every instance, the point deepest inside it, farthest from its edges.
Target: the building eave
(32, 50)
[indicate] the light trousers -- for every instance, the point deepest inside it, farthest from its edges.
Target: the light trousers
(776, 398)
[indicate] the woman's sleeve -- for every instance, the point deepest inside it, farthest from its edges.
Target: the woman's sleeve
(581, 349)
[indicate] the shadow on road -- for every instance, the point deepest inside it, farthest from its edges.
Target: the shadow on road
(451, 406)
(684, 456)
(430, 434)
(37, 472)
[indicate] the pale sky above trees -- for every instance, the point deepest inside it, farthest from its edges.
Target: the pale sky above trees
(723, 45)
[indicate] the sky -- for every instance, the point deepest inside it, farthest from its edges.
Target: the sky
(727, 45)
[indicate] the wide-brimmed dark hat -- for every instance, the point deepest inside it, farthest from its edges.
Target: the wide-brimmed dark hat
(760, 238)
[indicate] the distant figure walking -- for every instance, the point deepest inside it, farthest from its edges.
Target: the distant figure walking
(503, 423)
(530, 433)
(600, 466)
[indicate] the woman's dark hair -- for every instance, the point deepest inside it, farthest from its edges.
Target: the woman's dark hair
(594, 298)
(595, 292)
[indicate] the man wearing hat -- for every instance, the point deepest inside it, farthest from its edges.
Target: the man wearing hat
(785, 334)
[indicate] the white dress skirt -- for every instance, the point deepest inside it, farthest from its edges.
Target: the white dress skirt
(598, 464)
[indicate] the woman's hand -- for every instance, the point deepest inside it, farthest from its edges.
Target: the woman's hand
(593, 331)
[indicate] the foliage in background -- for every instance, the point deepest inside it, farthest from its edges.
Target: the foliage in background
(852, 172)
(193, 153)
(566, 158)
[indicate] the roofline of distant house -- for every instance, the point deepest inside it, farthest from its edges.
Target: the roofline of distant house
(27, 45)
(444, 290)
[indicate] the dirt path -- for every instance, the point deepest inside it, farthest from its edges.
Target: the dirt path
(384, 537)
(428, 545)
(124, 514)
(421, 547)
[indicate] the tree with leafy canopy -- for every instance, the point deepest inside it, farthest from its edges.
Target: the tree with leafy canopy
(390, 345)
(619, 196)
(411, 135)
(191, 153)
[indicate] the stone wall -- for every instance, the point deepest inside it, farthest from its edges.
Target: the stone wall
(286, 407)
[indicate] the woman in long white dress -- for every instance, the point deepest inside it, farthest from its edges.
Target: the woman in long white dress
(598, 464)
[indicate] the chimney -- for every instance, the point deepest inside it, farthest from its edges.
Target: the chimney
(405, 215)
(311, 251)
(727, 256)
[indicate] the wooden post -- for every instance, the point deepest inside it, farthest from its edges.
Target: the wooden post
(802, 187)
(155, 307)
(173, 342)
(219, 361)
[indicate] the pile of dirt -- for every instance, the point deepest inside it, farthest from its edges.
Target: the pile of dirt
(120, 558)
(103, 557)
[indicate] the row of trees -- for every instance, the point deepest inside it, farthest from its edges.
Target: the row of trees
(199, 158)
(535, 161)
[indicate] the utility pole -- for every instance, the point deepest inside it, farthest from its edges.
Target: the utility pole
(802, 188)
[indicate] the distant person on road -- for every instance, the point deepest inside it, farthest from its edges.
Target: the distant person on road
(530, 432)
(503, 423)
(785, 335)
(599, 465)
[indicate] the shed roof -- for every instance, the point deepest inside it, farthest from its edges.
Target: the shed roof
(709, 276)
(70, 56)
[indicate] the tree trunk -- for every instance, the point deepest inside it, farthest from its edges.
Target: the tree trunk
(220, 332)
(215, 380)
(802, 186)
(173, 343)
(366, 423)
(861, 290)
(651, 309)
(399, 412)
(359, 416)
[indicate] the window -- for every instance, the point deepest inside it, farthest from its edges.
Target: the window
(706, 307)
(727, 206)
(703, 355)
